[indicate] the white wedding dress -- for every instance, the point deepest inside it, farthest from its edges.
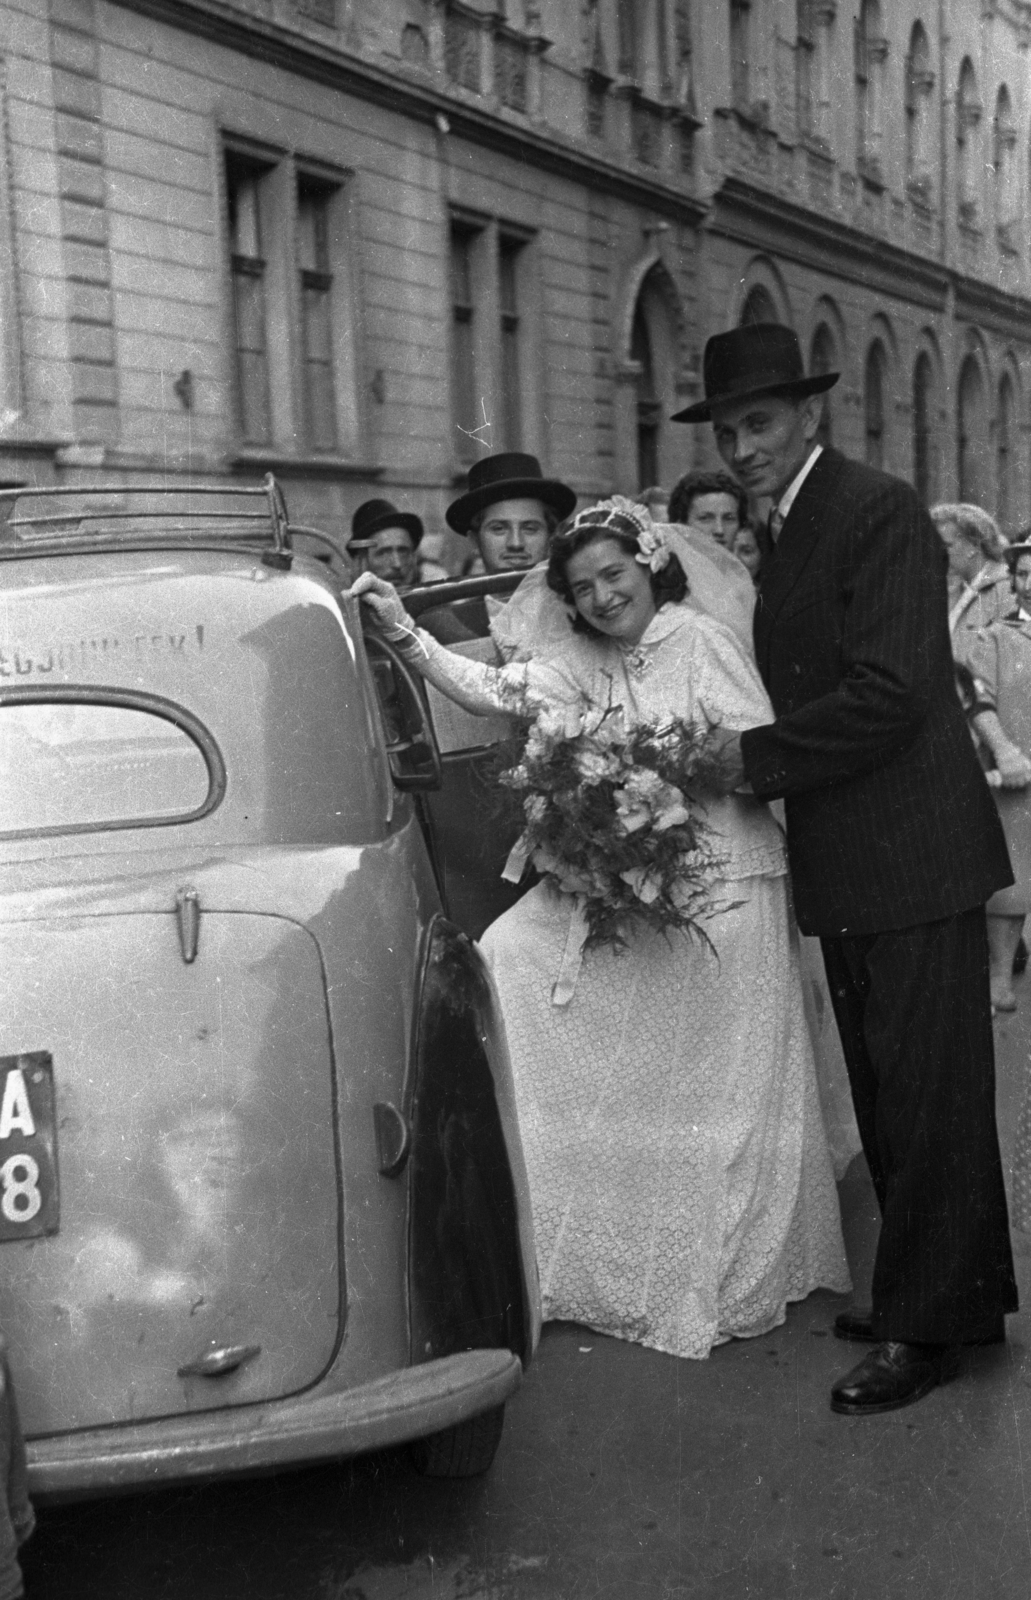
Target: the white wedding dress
(679, 1172)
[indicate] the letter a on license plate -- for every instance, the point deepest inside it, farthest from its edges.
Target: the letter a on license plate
(29, 1200)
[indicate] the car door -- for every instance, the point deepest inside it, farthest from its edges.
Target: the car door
(472, 820)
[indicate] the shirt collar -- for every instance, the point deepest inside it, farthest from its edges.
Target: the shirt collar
(790, 494)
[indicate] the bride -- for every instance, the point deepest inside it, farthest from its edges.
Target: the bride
(681, 1185)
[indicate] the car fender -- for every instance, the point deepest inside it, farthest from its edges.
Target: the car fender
(472, 1277)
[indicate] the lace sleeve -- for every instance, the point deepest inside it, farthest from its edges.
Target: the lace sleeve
(521, 689)
(730, 689)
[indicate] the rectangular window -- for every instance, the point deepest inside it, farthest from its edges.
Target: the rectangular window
(511, 69)
(740, 73)
(627, 23)
(462, 50)
(805, 46)
(316, 290)
(246, 188)
(511, 377)
(464, 401)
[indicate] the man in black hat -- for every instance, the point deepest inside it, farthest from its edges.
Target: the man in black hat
(385, 541)
(509, 510)
(894, 845)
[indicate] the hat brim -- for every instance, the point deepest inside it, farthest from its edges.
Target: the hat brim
(393, 519)
(558, 496)
(701, 411)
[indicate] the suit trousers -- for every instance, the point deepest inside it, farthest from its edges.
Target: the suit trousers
(914, 1014)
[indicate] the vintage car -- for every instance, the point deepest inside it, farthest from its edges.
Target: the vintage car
(262, 1198)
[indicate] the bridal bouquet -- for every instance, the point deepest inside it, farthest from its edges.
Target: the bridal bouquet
(609, 815)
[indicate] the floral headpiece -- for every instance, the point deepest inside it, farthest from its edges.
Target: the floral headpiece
(633, 521)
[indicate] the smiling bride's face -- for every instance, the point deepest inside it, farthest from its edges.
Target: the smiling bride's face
(611, 590)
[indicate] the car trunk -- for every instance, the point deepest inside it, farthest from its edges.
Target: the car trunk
(195, 1150)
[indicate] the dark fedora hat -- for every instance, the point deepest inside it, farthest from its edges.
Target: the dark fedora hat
(373, 516)
(756, 359)
(509, 476)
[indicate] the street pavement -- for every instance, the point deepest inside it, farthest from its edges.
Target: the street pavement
(628, 1475)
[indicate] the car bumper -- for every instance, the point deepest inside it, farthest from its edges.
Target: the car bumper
(406, 1405)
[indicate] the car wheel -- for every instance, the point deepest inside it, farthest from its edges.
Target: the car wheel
(463, 1451)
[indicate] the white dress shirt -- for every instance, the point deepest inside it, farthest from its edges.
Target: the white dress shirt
(778, 515)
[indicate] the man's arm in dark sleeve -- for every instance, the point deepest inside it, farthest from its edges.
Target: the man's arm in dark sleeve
(891, 653)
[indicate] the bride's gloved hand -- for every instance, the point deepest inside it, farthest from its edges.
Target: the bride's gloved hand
(385, 604)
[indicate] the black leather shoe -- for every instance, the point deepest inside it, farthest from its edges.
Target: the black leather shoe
(893, 1375)
(857, 1324)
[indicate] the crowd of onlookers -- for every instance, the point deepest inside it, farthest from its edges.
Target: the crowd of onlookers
(389, 542)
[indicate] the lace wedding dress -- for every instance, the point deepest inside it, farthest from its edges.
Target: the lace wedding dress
(681, 1184)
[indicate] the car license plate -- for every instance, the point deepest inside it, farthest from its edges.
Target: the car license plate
(29, 1198)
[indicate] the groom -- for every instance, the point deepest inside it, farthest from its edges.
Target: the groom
(894, 844)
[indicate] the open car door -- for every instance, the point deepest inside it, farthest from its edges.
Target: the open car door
(472, 820)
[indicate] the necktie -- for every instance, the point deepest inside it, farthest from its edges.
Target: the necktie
(775, 524)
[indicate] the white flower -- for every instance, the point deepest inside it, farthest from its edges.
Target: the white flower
(645, 885)
(672, 815)
(595, 765)
(653, 551)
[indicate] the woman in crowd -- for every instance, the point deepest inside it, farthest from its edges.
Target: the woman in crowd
(979, 580)
(992, 648)
(681, 1184)
(746, 548)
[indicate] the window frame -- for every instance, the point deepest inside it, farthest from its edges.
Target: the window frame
(482, 370)
(129, 700)
(259, 169)
(322, 278)
(286, 175)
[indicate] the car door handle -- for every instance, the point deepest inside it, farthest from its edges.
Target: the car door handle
(220, 1359)
(392, 1138)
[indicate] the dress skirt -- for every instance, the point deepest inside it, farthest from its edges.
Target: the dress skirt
(681, 1184)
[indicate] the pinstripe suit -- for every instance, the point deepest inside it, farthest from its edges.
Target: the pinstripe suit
(895, 845)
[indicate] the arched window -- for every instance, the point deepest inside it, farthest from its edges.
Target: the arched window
(649, 408)
(1004, 453)
(871, 50)
(873, 404)
(971, 432)
(923, 435)
(758, 307)
(1004, 159)
(823, 357)
(919, 111)
(969, 170)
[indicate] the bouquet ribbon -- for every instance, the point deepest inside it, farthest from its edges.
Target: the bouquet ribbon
(573, 955)
(564, 986)
(518, 856)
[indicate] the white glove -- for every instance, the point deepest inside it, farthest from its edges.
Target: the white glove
(385, 604)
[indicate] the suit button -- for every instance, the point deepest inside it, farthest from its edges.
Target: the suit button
(796, 669)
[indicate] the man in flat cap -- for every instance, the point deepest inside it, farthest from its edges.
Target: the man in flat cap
(386, 541)
(894, 844)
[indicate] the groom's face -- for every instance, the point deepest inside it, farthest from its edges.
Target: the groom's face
(765, 441)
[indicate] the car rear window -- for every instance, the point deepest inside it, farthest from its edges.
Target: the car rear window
(76, 765)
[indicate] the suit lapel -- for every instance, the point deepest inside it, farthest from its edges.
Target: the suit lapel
(798, 538)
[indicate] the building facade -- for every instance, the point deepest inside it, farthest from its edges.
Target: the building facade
(360, 242)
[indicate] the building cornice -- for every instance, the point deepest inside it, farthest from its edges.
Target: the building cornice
(397, 91)
(992, 308)
(750, 215)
